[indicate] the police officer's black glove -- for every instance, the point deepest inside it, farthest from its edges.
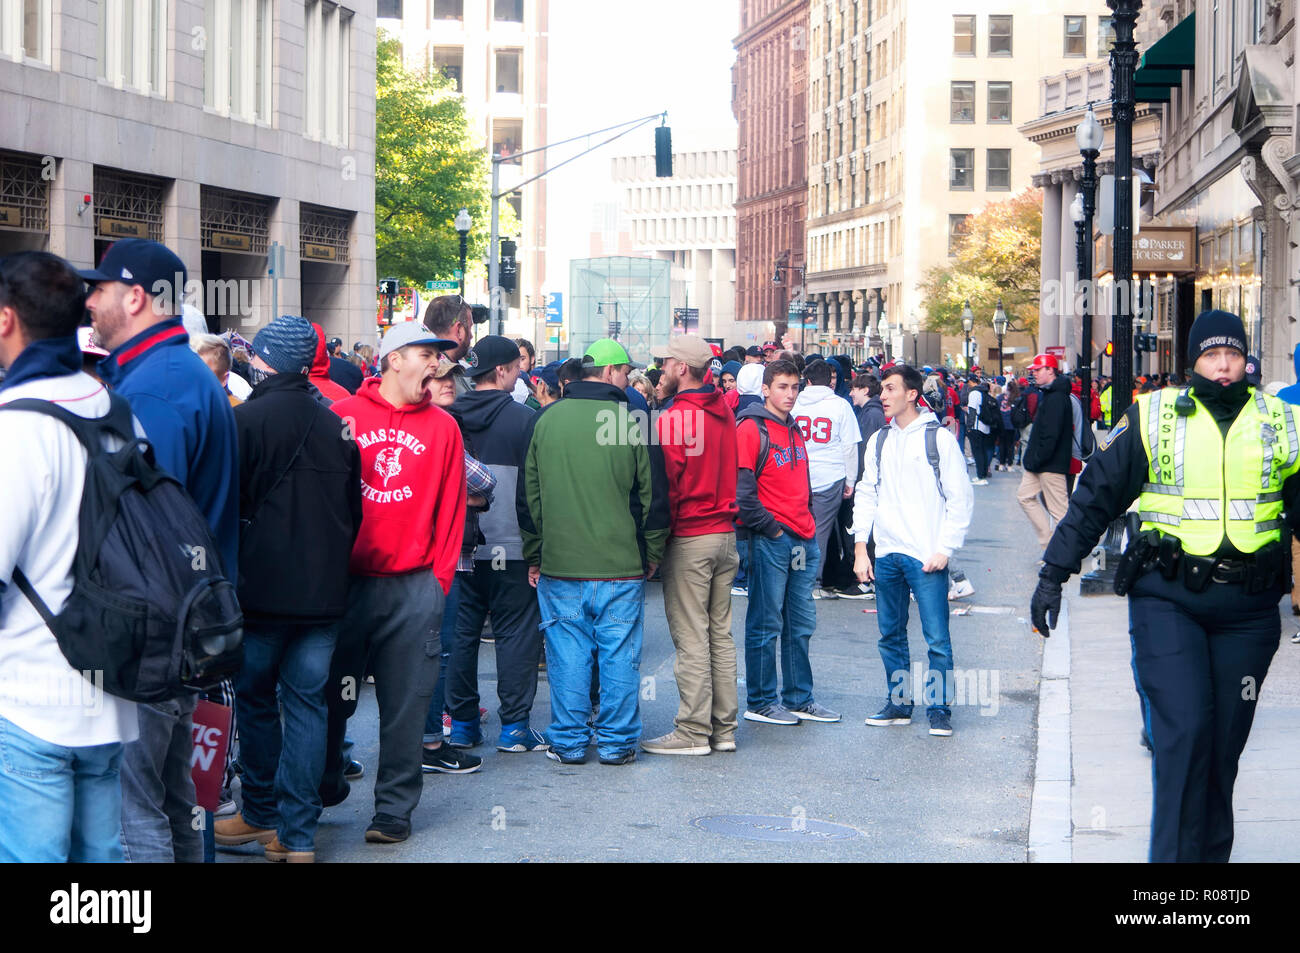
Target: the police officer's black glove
(1045, 606)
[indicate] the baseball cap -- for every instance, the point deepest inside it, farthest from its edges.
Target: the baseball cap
(549, 374)
(139, 261)
(753, 351)
(769, 345)
(1045, 360)
(490, 351)
(447, 366)
(412, 332)
(691, 349)
(607, 351)
(333, 343)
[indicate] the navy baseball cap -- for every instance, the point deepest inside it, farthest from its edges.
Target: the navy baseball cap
(139, 261)
(550, 374)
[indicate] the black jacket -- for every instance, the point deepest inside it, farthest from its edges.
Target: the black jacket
(499, 429)
(346, 374)
(1052, 437)
(298, 517)
(871, 417)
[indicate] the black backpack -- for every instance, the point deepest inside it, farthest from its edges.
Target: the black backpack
(150, 606)
(990, 414)
(1020, 417)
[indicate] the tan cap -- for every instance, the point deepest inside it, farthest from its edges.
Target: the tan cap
(447, 366)
(691, 349)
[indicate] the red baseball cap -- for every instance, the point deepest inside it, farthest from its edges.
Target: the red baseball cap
(1044, 360)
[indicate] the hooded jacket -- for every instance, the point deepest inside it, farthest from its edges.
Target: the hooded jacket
(698, 437)
(871, 417)
(299, 504)
(1051, 438)
(499, 428)
(780, 498)
(412, 486)
(1291, 393)
(749, 382)
(597, 495)
(830, 429)
(320, 370)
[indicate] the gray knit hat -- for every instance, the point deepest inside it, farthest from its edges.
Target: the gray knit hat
(288, 344)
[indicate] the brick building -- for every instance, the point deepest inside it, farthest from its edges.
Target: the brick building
(769, 99)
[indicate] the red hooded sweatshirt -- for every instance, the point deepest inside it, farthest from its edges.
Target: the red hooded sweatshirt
(412, 486)
(320, 371)
(698, 436)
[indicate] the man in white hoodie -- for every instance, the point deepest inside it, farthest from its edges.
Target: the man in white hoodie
(916, 498)
(830, 429)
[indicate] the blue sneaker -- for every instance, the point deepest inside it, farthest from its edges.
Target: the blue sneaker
(465, 734)
(519, 738)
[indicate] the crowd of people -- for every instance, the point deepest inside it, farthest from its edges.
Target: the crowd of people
(377, 511)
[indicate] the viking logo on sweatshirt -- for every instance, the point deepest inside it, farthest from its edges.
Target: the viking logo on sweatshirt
(388, 464)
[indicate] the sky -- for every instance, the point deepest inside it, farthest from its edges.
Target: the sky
(614, 60)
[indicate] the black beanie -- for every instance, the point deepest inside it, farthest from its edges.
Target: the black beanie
(1215, 329)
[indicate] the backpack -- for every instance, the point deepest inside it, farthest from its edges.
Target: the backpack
(1020, 416)
(1084, 440)
(931, 453)
(990, 415)
(150, 606)
(764, 445)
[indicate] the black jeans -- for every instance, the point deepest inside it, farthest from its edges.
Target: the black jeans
(979, 447)
(1007, 447)
(516, 627)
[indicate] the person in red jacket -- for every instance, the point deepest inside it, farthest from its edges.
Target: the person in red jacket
(320, 371)
(698, 436)
(400, 571)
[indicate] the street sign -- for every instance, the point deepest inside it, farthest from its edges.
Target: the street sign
(686, 320)
(441, 285)
(554, 308)
(458, 274)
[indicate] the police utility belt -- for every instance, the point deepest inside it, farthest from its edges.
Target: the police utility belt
(1258, 572)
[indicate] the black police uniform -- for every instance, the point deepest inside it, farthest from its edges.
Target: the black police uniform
(1199, 659)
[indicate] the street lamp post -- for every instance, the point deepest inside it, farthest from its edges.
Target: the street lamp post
(462, 226)
(778, 279)
(1123, 63)
(1089, 137)
(967, 322)
(916, 336)
(1000, 328)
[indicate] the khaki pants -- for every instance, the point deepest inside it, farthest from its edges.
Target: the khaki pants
(697, 573)
(1295, 572)
(1052, 486)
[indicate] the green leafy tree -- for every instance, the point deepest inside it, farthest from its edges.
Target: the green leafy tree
(427, 168)
(998, 257)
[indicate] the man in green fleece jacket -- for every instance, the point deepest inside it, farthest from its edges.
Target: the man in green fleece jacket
(595, 529)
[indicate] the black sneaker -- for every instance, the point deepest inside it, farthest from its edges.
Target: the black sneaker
(386, 829)
(627, 757)
(891, 714)
(940, 723)
(354, 771)
(567, 758)
(449, 760)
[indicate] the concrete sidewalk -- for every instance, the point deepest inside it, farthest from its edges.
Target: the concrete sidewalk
(1089, 720)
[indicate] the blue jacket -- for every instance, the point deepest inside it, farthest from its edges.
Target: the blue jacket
(187, 418)
(1291, 394)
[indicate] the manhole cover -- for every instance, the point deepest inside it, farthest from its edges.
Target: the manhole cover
(776, 828)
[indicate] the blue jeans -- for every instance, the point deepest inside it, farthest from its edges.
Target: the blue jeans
(895, 575)
(58, 804)
(596, 621)
(433, 720)
(159, 825)
(742, 574)
(283, 761)
(781, 576)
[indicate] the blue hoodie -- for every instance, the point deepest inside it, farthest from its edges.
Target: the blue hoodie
(1291, 394)
(187, 419)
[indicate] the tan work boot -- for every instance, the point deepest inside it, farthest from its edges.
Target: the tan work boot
(234, 830)
(673, 743)
(277, 852)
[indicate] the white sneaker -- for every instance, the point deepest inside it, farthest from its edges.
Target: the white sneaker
(979, 482)
(825, 594)
(739, 591)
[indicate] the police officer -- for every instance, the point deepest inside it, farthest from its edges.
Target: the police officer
(1213, 468)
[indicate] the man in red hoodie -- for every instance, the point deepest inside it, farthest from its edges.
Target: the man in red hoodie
(402, 565)
(698, 437)
(320, 370)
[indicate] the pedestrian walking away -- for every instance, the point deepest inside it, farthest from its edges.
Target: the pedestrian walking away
(1204, 575)
(915, 501)
(1047, 456)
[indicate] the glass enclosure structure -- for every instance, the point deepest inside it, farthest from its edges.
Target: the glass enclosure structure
(623, 298)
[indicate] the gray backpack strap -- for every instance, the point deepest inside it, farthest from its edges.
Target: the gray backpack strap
(880, 448)
(932, 454)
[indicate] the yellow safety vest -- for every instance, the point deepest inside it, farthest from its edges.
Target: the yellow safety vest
(1104, 400)
(1223, 487)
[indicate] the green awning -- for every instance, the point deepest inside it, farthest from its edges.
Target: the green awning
(1162, 66)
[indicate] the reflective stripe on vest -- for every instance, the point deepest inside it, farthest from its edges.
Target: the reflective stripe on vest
(1228, 487)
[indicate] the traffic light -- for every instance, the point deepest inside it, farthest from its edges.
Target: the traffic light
(1110, 348)
(1144, 342)
(663, 152)
(507, 269)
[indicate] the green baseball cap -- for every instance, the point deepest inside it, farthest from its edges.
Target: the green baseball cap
(607, 351)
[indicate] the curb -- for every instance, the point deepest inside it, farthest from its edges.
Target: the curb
(1050, 829)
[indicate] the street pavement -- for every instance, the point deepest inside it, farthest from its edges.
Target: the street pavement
(848, 791)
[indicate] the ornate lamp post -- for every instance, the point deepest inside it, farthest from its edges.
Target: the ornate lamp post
(1123, 63)
(463, 226)
(1000, 328)
(967, 322)
(1089, 137)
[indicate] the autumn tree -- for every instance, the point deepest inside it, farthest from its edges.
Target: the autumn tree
(427, 168)
(997, 257)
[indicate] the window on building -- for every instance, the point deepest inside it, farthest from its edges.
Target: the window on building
(507, 138)
(508, 70)
(1076, 36)
(963, 35)
(511, 11)
(999, 36)
(999, 109)
(237, 58)
(329, 40)
(1105, 35)
(999, 170)
(123, 60)
(25, 29)
(449, 9)
(961, 102)
(961, 170)
(450, 62)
